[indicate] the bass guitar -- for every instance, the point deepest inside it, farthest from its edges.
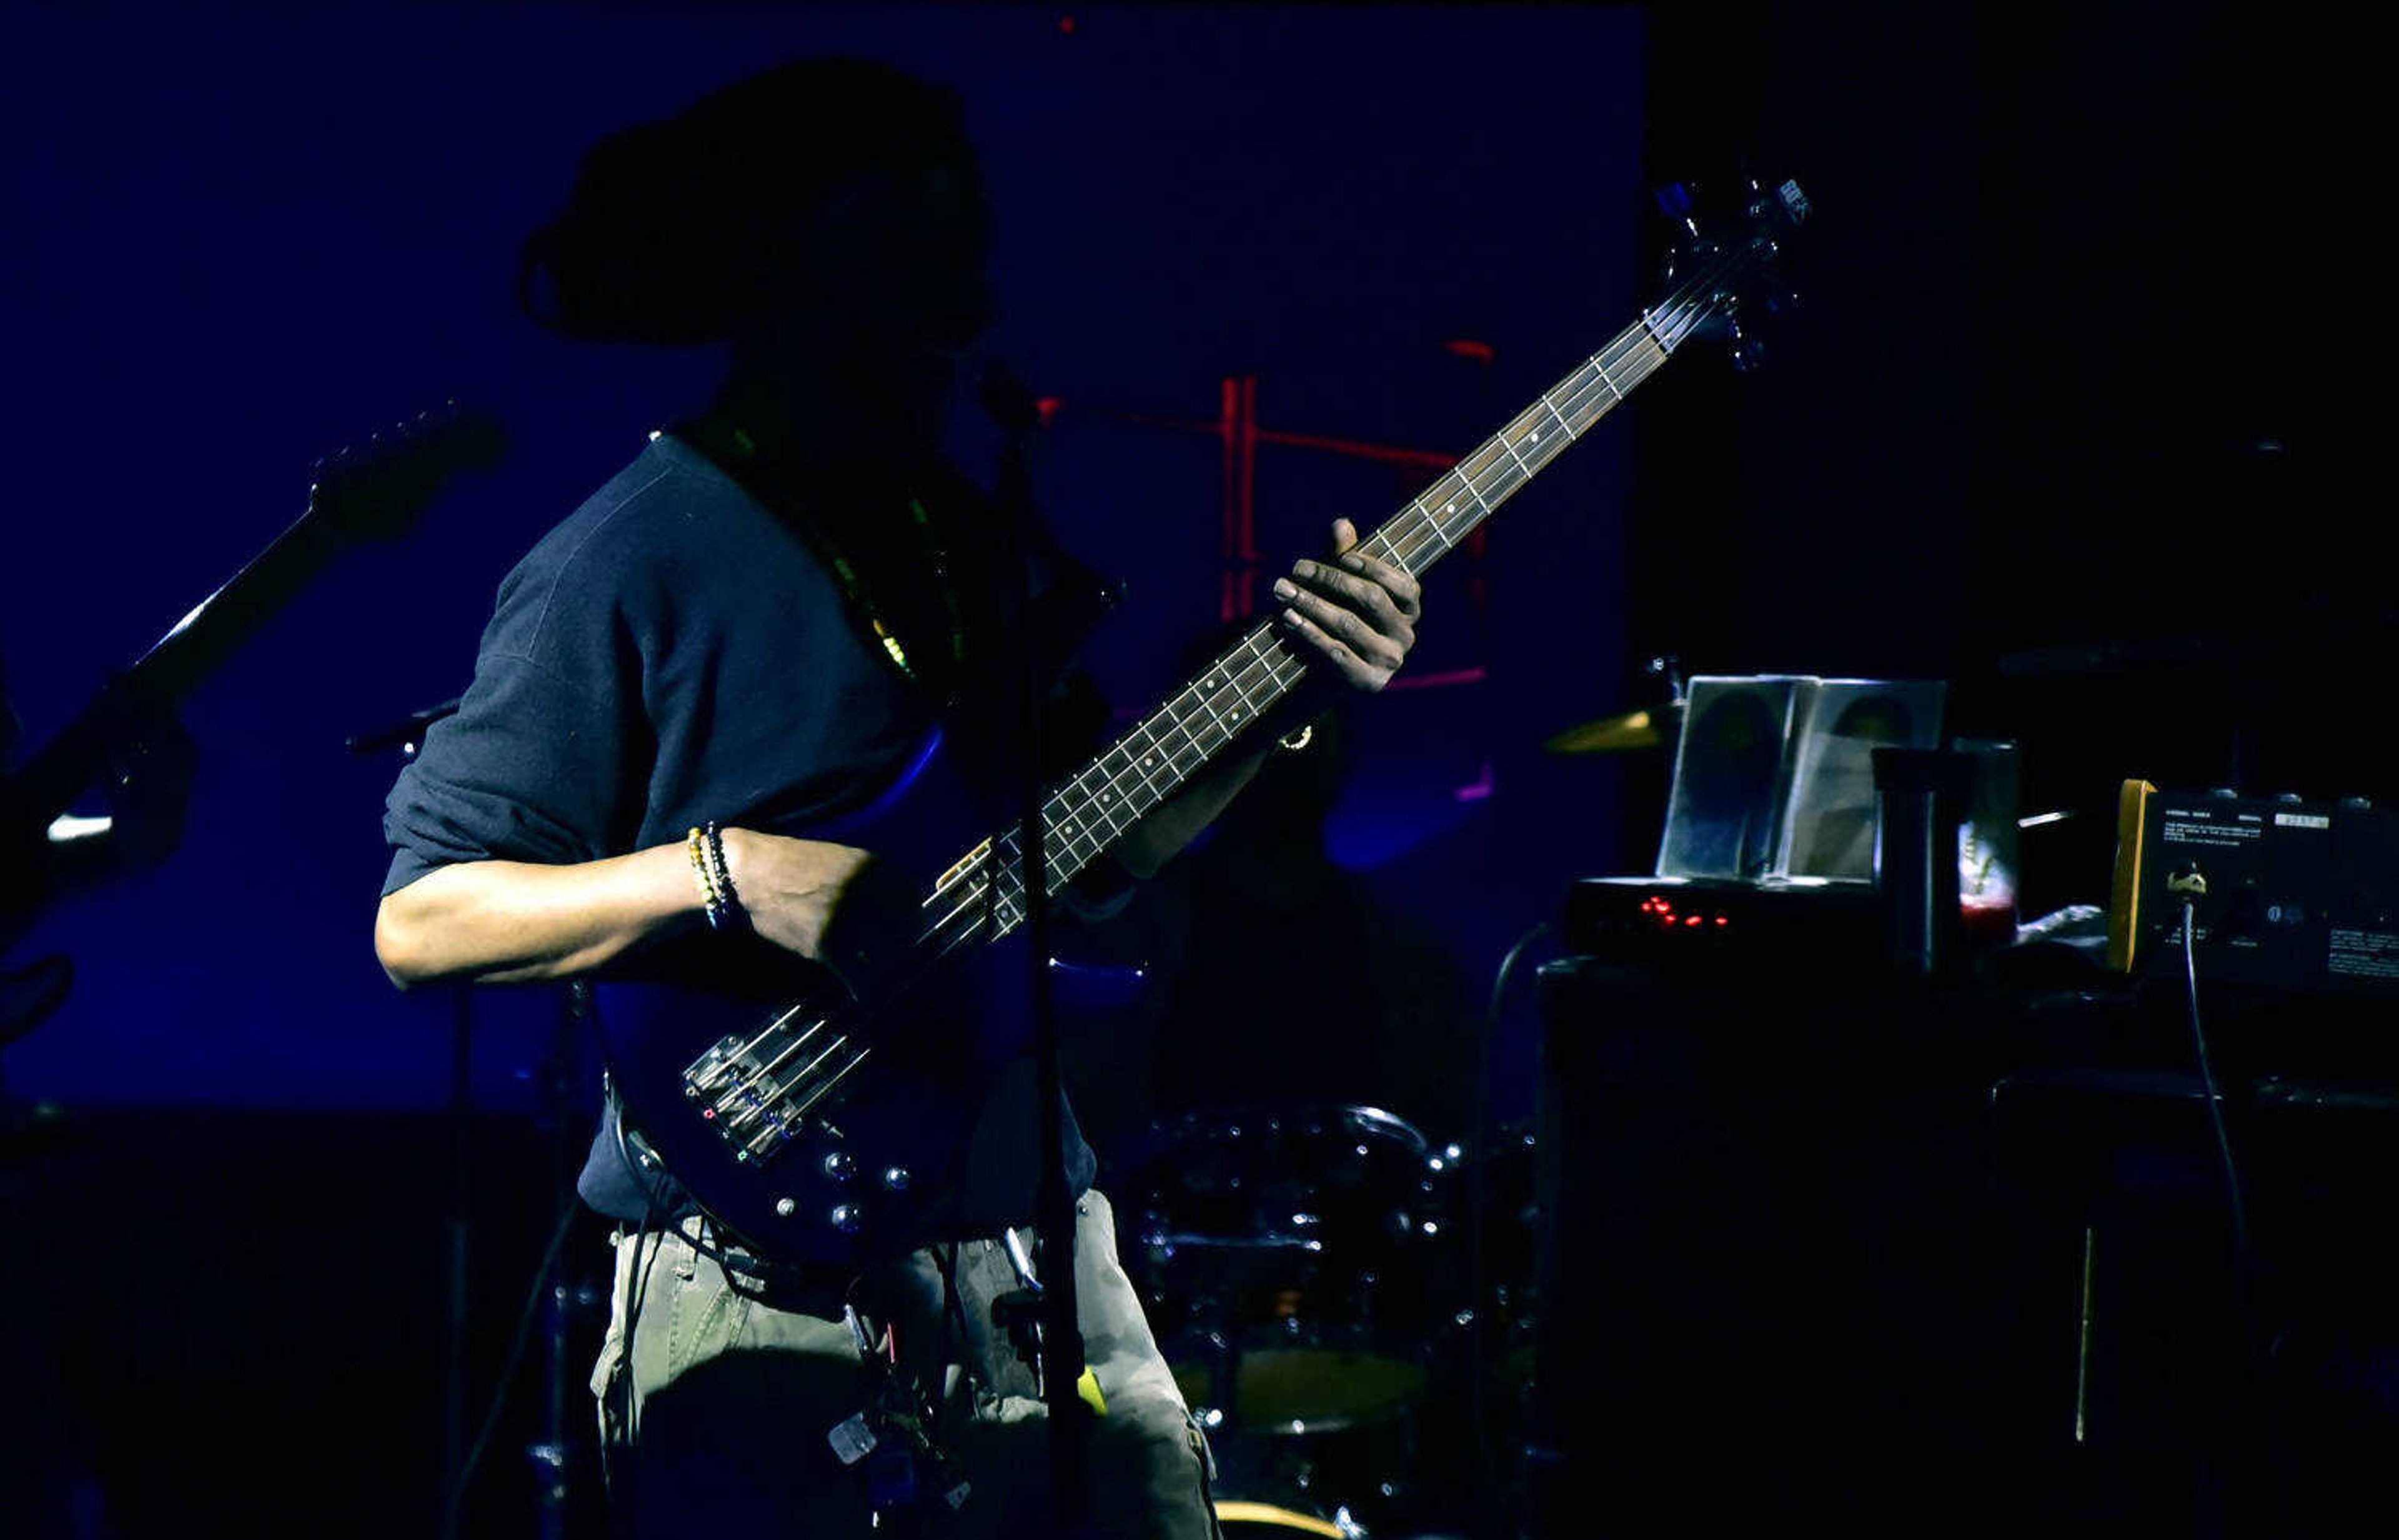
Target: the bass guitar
(805, 1129)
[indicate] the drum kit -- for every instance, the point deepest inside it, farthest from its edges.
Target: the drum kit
(1358, 1352)
(1310, 1276)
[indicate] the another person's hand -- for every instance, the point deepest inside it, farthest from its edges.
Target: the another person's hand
(1360, 614)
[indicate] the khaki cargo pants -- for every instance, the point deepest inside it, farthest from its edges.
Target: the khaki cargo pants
(713, 1416)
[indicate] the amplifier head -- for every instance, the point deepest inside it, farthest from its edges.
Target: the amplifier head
(2283, 892)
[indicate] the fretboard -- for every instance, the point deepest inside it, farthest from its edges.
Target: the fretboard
(1092, 809)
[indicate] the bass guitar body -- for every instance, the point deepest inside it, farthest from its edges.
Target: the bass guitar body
(892, 1169)
(770, 1091)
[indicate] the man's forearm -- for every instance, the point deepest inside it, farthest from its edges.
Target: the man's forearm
(514, 921)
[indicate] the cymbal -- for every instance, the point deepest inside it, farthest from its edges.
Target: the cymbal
(1620, 734)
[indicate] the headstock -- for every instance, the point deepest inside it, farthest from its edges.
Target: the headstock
(1723, 271)
(376, 489)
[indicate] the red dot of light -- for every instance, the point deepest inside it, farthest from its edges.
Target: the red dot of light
(1066, 23)
(1692, 921)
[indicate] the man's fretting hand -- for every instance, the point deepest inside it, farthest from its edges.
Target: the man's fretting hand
(1358, 612)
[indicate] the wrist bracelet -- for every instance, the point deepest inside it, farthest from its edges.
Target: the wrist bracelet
(719, 871)
(696, 845)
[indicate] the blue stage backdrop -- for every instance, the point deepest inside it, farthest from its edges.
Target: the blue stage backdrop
(239, 238)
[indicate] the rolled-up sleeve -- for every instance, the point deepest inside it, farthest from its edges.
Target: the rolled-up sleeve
(543, 760)
(531, 768)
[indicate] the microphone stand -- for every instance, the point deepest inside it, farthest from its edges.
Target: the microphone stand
(1011, 406)
(405, 736)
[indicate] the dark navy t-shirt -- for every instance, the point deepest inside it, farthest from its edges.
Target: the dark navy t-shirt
(673, 652)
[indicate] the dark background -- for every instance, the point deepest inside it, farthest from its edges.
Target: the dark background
(2082, 302)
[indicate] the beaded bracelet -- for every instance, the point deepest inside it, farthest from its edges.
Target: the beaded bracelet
(719, 871)
(696, 844)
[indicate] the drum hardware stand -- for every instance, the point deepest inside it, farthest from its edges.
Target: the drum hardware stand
(407, 736)
(457, 1229)
(552, 1456)
(1480, 1290)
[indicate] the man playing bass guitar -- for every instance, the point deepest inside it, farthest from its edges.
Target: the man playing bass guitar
(744, 635)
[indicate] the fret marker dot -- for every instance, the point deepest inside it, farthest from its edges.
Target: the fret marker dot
(1452, 509)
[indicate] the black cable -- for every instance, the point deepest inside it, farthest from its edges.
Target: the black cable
(2234, 1200)
(2250, 1402)
(517, 1344)
(1477, 1204)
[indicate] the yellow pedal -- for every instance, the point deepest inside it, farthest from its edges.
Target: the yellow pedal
(1088, 1387)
